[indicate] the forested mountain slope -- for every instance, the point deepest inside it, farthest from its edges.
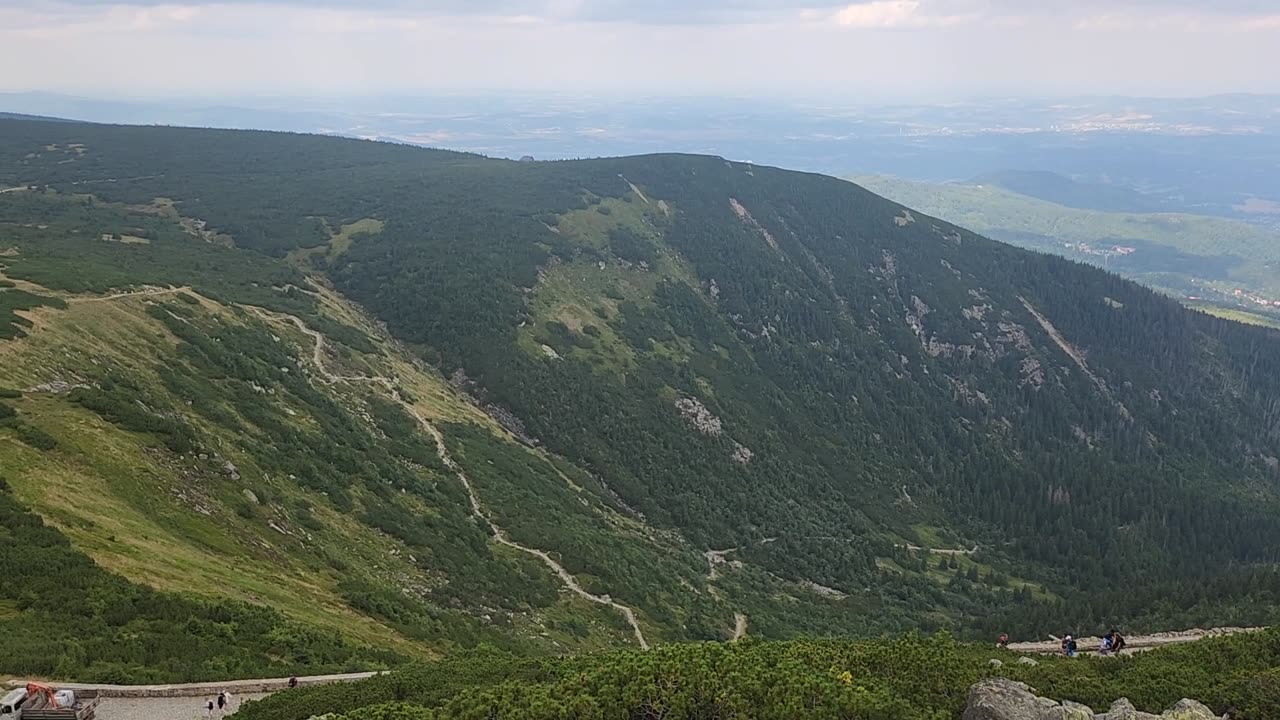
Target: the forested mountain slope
(700, 389)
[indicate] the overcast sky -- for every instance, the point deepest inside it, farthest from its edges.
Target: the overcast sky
(873, 49)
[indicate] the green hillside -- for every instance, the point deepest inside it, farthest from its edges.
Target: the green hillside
(419, 401)
(1188, 255)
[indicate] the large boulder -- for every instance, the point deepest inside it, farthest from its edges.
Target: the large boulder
(1122, 709)
(1001, 699)
(1068, 711)
(1186, 709)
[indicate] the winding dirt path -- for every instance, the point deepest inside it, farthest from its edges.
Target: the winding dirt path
(739, 627)
(938, 551)
(132, 293)
(1133, 643)
(477, 508)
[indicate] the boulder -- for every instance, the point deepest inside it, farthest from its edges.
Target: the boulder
(1186, 709)
(995, 663)
(1001, 699)
(1122, 709)
(1026, 660)
(1068, 711)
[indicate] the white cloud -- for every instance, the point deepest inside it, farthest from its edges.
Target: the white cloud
(937, 47)
(879, 14)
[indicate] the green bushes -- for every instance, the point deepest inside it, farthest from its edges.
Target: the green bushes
(909, 677)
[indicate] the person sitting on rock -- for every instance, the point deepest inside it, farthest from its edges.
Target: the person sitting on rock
(1003, 640)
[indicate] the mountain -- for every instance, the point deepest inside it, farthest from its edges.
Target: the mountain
(1083, 195)
(21, 116)
(1207, 259)
(310, 402)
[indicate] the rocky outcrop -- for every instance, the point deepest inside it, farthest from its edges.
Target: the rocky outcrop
(1002, 699)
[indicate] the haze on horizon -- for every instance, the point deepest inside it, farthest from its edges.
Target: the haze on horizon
(870, 49)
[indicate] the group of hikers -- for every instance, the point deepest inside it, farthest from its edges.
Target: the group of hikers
(1111, 643)
(222, 703)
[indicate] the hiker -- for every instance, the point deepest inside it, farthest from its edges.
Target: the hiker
(1003, 641)
(293, 682)
(222, 701)
(1069, 646)
(1117, 641)
(1105, 647)
(209, 706)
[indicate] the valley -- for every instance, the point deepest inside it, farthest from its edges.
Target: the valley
(1224, 266)
(341, 406)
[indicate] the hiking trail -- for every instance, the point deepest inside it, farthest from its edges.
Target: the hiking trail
(477, 508)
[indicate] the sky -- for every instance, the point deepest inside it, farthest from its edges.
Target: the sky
(872, 49)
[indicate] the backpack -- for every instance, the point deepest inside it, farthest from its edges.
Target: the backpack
(1071, 645)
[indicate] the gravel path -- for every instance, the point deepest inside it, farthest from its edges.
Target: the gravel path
(165, 708)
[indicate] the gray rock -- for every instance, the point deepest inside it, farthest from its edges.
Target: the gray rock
(1068, 711)
(1024, 660)
(995, 663)
(1001, 699)
(1186, 709)
(1122, 709)
(250, 495)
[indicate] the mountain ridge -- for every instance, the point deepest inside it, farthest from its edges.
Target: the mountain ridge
(708, 355)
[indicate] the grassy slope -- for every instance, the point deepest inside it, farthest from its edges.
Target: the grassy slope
(177, 522)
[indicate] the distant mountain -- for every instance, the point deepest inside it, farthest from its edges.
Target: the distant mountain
(309, 402)
(1197, 258)
(1062, 190)
(20, 116)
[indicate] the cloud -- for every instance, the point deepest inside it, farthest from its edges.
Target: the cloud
(848, 13)
(921, 48)
(881, 14)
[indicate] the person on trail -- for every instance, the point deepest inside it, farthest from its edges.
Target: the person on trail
(222, 701)
(1003, 640)
(1117, 641)
(293, 682)
(1104, 648)
(1069, 646)
(209, 707)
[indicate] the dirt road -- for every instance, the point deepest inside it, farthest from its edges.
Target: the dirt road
(1133, 643)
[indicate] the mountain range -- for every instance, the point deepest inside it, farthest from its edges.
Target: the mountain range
(278, 402)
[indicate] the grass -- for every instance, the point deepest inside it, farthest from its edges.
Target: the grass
(339, 242)
(105, 490)
(1242, 316)
(588, 291)
(177, 523)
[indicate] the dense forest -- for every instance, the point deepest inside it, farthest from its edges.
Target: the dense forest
(877, 421)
